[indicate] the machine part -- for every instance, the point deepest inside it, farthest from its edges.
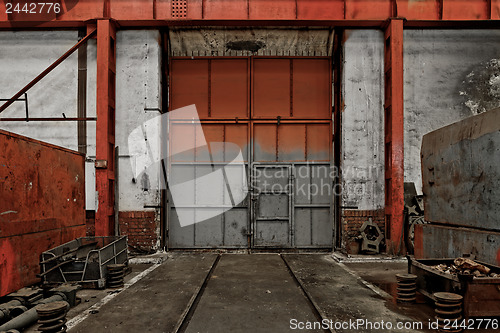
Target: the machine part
(448, 309)
(11, 309)
(69, 292)
(413, 214)
(372, 236)
(115, 275)
(52, 317)
(30, 317)
(83, 260)
(407, 287)
(27, 295)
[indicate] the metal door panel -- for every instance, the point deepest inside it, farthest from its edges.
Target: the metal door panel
(322, 230)
(321, 184)
(303, 230)
(272, 205)
(276, 205)
(180, 237)
(318, 142)
(311, 88)
(229, 88)
(264, 142)
(272, 234)
(288, 127)
(209, 233)
(291, 142)
(189, 84)
(236, 227)
(271, 88)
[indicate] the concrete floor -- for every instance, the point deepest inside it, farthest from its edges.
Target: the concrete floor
(207, 292)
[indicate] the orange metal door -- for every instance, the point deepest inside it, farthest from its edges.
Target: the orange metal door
(278, 111)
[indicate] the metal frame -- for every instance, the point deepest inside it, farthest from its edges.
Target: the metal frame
(115, 252)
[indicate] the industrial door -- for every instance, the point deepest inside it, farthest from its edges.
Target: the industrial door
(278, 111)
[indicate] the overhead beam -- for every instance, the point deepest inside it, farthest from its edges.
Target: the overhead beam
(346, 13)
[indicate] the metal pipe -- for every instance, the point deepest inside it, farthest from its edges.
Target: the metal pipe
(6, 308)
(30, 317)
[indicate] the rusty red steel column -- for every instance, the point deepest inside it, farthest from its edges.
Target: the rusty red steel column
(394, 136)
(105, 129)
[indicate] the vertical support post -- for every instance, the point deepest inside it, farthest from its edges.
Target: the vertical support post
(394, 136)
(105, 131)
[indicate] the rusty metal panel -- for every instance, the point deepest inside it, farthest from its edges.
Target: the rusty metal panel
(484, 245)
(465, 10)
(42, 187)
(368, 9)
(291, 142)
(271, 88)
(229, 88)
(419, 10)
(224, 9)
(123, 10)
(190, 85)
(318, 138)
(264, 143)
(311, 95)
(272, 10)
(320, 9)
(461, 172)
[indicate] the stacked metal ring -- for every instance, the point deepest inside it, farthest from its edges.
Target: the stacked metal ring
(52, 316)
(407, 288)
(115, 275)
(448, 311)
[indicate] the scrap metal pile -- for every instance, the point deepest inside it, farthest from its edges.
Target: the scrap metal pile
(467, 267)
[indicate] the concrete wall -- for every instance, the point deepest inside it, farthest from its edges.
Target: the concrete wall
(24, 55)
(363, 120)
(138, 99)
(449, 75)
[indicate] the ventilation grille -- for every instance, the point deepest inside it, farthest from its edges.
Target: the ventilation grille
(179, 8)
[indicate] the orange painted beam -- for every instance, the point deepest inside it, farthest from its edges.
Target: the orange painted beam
(105, 128)
(394, 136)
(149, 13)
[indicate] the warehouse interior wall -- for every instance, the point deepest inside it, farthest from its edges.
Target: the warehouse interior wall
(449, 75)
(24, 55)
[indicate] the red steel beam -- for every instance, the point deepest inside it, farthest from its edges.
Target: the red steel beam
(348, 13)
(46, 71)
(105, 128)
(394, 136)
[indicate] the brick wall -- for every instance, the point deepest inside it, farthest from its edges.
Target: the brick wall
(141, 229)
(352, 220)
(90, 223)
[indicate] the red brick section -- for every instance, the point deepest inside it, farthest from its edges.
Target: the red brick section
(90, 223)
(352, 220)
(140, 227)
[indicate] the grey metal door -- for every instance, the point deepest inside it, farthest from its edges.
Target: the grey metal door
(272, 205)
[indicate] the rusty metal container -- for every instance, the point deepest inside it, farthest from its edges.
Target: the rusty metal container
(481, 295)
(83, 260)
(42, 205)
